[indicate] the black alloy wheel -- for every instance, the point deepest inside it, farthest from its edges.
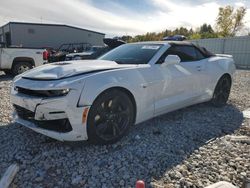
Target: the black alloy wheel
(222, 92)
(110, 117)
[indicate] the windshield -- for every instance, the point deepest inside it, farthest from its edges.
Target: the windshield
(132, 53)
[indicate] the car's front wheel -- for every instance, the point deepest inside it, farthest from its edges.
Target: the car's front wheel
(110, 117)
(222, 91)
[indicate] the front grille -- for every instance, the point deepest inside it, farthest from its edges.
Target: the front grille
(60, 125)
(24, 113)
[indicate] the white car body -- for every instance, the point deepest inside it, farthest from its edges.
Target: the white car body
(156, 89)
(10, 55)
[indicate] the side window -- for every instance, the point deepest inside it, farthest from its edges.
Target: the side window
(170, 51)
(199, 55)
(186, 53)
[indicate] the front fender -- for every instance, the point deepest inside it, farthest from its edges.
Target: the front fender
(131, 80)
(95, 85)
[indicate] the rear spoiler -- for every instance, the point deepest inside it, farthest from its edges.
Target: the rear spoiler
(224, 55)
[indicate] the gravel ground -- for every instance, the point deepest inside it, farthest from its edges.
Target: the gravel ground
(186, 148)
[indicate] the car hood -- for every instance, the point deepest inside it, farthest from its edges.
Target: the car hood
(66, 69)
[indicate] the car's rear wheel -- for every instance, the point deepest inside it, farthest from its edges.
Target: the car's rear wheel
(110, 117)
(21, 67)
(222, 91)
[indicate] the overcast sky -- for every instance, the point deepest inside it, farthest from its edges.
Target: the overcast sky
(118, 17)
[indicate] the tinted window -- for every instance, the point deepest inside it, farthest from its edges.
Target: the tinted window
(205, 52)
(186, 53)
(132, 53)
(199, 55)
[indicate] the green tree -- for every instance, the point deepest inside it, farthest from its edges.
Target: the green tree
(195, 36)
(206, 28)
(191, 32)
(181, 31)
(126, 38)
(167, 33)
(229, 21)
(206, 31)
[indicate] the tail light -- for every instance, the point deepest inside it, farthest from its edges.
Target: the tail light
(45, 55)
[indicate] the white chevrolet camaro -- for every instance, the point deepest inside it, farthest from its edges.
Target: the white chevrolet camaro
(98, 100)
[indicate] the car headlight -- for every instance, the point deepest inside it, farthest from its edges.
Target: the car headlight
(56, 93)
(42, 93)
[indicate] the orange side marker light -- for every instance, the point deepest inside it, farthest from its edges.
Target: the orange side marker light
(85, 115)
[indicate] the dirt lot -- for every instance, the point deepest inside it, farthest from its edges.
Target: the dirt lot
(191, 147)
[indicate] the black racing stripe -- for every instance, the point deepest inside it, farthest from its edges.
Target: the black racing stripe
(89, 72)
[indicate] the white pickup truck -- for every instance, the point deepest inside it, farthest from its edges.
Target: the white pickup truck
(15, 60)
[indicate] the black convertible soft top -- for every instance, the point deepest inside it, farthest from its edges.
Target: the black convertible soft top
(203, 50)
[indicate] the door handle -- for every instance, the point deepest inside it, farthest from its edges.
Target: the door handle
(198, 68)
(144, 85)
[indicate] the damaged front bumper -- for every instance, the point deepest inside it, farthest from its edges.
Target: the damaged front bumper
(57, 117)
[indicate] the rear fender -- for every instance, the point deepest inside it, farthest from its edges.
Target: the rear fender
(228, 66)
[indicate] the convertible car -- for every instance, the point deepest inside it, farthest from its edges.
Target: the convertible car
(98, 100)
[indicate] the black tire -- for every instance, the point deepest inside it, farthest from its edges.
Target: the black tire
(20, 67)
(110, 117)
(221, 92)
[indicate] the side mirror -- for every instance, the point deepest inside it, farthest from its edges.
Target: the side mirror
(171, 60)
